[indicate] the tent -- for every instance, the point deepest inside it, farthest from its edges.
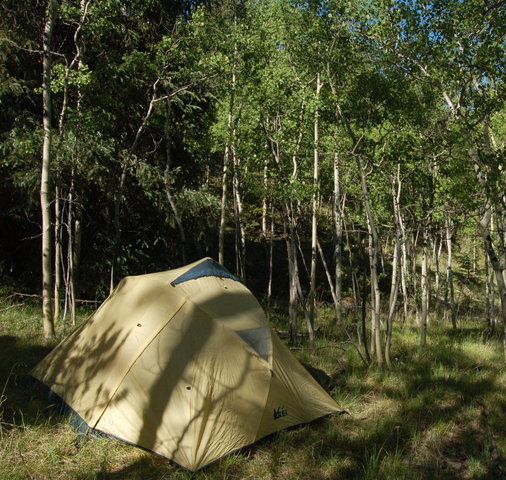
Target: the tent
(182, 363)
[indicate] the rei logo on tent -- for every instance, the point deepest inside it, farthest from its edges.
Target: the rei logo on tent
(280, 412)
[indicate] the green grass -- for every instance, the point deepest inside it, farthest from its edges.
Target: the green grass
(439, 414)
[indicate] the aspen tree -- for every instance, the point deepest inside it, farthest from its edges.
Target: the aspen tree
(45, 204)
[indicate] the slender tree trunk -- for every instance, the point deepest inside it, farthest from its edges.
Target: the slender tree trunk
(289, 226)
(45, 204)
(501, 235)
(264, 200)
(338, 233)
(329, 276)
(489, 295)
(474, 257)
(69, 284)
(271, 256)
(496, 266)
(425, 290)
(240, 234)
(118, 200)
(372, 279)
(364, 314)
(373, 260)
(394, 289)
(78, 241)
(227, 153)
(77, 209)
(314, 207)
(223, 216)
(449, 298)
(175, 212)
(292, 275)
(333, 292)
(437, 255)
(414, 281)
(168, 185)
(404, 264)
(355, 281)
(497, 258)
(57, 252)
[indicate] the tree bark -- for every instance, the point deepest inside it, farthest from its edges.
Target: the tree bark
(314, 207)
(394, 290)
(404, 263)
(489, 295)
(449, 298)
(338, 233)
(496, 266)
(271, 249)
(373, 261)
(57, 252)
(45, 204)
(292, 275)
(240, 235)
(69, 284)
(223, 215)
(425, 289)
(227, 154)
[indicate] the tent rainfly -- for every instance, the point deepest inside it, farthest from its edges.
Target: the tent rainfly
(182, 363)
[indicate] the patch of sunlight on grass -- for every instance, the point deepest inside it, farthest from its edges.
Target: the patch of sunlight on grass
(381, 464)
(337, 466)
(476, 468)
(382, 408)
(430, 439)
(394, 466)
(482, 353)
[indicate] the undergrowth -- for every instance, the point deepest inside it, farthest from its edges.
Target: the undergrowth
(440, 413)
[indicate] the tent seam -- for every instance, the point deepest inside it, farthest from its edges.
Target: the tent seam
(136, 357)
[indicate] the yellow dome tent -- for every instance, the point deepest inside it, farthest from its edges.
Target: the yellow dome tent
(182, 363)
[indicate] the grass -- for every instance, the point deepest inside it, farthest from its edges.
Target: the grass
(439, 414)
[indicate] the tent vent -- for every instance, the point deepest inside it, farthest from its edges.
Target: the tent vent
(207, 268)
(259, 339)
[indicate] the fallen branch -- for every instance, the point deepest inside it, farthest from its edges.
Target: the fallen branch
(11, 425)
(318, 348)
(34, 295)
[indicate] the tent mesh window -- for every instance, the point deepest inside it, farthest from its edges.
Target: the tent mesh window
(259, 339)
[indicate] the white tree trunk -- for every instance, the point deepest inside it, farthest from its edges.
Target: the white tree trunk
(496, 266)
(338, 232)
(425, 290)
(449, 298)
(373, 261)
(45, 204)
(240, 234)
(314, 207)
(57, 253)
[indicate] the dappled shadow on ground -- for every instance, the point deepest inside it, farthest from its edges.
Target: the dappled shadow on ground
(144, 468)
(439, 415)
(20, 400)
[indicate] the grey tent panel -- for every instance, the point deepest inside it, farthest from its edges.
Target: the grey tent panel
(259, 339)
(207, 268)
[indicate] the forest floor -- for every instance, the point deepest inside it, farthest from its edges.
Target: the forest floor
(440, 413)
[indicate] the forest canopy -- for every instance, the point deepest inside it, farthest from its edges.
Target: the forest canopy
(323, 151)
